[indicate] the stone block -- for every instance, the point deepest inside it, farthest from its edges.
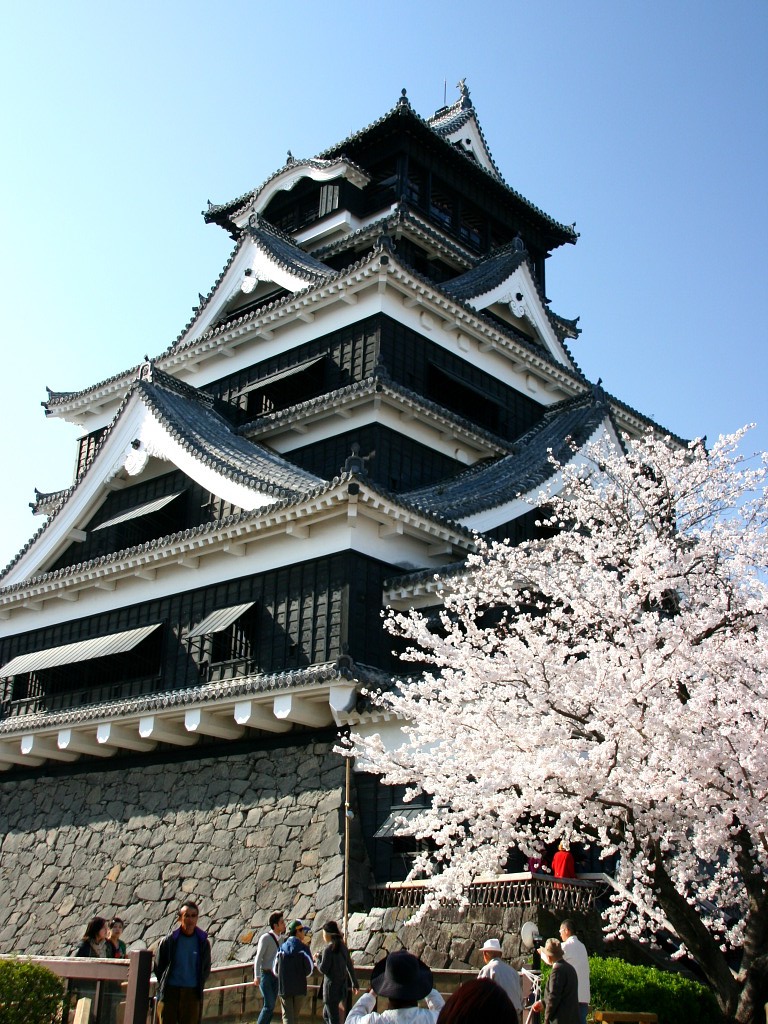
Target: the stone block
(149, 891)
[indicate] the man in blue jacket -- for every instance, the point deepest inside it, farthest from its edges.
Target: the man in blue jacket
(182, 965)
(293, 965)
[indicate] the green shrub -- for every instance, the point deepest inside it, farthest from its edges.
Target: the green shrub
(617, 985)
(29, 993)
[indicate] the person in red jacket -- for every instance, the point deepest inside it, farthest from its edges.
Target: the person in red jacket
(562, 864)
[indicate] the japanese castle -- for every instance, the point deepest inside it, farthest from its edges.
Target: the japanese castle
(376, 376)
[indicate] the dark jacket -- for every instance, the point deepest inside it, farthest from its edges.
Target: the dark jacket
(335, 964)
(293, 965)
(166, 953)
(561, 995)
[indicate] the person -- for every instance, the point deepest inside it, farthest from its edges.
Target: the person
(94, 941)
(561, 993)
(335, 964)
(182, 965)
(115, 946)
(478, 1002)
(263, 975)
(563, 865)
(112, 991)
(575, 954)
(536, 863)
(292, 966)
(502, 973)
(403, 979)
(93, 944)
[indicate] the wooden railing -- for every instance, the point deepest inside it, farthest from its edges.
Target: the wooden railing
(519, 889)
(98, 975)
(231, 996)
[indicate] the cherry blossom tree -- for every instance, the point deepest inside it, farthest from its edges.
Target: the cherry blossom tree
(610, 686)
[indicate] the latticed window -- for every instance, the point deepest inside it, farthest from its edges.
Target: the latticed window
(224, 643)
(87, 449)
(329, 200)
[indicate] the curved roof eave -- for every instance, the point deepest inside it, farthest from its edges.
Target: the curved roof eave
(188, 419)
(371, 263)
(284, 179)
(529, 465)
(238, 526)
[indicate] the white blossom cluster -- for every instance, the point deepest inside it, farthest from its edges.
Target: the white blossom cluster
(608, 685)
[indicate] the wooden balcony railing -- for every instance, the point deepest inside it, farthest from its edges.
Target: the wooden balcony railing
(519, 889)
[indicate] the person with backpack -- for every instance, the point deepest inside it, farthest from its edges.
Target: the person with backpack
(263, 975)
(293, 965)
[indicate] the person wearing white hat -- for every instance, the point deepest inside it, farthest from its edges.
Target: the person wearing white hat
(501, 972)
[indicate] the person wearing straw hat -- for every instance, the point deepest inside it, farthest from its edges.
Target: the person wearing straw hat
(502, 973)
(403, 979)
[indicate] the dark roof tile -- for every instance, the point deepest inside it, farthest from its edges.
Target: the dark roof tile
(488, 485)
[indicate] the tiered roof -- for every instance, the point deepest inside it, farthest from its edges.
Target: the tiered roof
(487, 311)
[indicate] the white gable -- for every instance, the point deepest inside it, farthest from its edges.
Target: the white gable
(469, 138)
(136, 438)
(521, 296)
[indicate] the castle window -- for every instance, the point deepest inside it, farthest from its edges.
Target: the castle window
(86, 450)
(224, 642)
(462, 398)
(285, 388)
(329, 200)
(145, 509)
(101, 668)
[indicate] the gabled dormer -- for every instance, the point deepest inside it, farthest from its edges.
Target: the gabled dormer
(326, 175)
(505, 286)
(458, 124)
(265, 266)
(162, 425)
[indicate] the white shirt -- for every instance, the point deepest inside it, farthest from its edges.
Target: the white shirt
(506, 977)
(363, 1013)
(575, 953)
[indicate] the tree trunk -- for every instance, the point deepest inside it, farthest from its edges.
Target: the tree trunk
(702, 944)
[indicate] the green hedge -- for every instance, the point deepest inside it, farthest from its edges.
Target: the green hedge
(617, 985)
(29, 993)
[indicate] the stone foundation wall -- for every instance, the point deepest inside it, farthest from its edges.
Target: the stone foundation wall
(451, 938)
(242, 835)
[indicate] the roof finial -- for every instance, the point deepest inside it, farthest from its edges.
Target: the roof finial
(403, 101)
(461, 85)
(290, 159)
(146, 369)
(355, 463)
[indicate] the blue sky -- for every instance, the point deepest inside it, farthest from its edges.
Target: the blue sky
(644, 122)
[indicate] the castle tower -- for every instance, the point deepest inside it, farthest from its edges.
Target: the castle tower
(375, 375)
